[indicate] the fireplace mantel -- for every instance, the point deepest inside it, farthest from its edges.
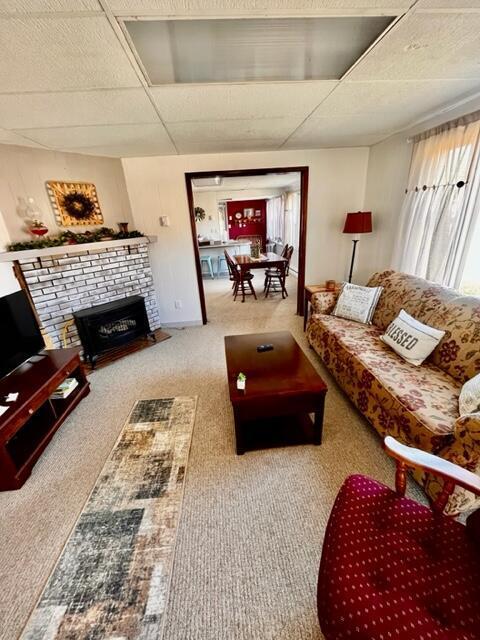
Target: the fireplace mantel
(11, 256)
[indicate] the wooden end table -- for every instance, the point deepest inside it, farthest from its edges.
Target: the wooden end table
(282, 390)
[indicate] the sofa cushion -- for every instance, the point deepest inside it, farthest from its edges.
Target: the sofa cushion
(413, 340)
(419, 405)
(469, 400)
(417, 296)
(440, 307)
(459, 352)
(357, 303)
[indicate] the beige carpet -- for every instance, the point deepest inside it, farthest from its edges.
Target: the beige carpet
(251, 531)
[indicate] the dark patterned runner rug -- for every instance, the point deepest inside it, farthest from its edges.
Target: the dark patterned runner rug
(111, 581)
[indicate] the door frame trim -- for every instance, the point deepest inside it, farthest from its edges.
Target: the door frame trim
(302, 241)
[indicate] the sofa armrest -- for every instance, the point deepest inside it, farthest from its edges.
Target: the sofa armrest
(464, 450)
(468, 428)
(324, 302)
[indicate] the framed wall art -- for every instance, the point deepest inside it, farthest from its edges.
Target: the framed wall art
(75, 203)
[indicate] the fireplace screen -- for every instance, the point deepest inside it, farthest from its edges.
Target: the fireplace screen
(111, 325)
(118, 326)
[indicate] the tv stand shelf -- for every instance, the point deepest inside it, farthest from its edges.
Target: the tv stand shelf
(30, 423)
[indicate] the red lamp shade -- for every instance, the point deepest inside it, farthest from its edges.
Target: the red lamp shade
(359, 222)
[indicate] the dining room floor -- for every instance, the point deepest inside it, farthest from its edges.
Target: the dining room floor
(219, 296)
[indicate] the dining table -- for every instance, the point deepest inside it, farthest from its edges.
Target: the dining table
(268, 260)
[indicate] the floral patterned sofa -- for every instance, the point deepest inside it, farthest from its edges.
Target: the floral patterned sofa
(417, 405)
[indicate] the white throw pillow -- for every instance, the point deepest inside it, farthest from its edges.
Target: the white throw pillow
(357, 303)
(469, 400)
(411, 339)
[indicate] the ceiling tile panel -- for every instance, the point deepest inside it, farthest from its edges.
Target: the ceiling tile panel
(426, 45)
(408, 99)
(55, 54)
(128, 149)
(253, 7)
(448, 4)
(226, 146)
(237, 101)
(116, 106)
(75, 138)
(333, 129)
(273, 129)
(332, 140)
(29, 6)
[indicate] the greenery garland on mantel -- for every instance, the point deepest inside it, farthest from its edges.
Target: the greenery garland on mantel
(70, 238)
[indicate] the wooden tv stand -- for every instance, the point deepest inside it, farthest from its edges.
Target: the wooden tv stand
(30, 422)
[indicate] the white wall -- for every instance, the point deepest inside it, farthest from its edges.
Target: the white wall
(156, 186)
(209, 200)
(8, 282)
(388, 168)
(24, 172)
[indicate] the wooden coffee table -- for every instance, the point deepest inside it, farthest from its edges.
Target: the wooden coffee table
(282, 390)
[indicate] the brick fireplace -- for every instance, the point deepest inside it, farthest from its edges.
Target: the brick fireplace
(63, 280)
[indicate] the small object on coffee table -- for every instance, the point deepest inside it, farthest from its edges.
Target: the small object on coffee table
(283, 390)
(241, 381)
(264, 347)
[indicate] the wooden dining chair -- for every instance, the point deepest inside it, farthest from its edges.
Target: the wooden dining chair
(231, 268)
(284, 251)
(275, 278)
(288, 256)
(239, 279)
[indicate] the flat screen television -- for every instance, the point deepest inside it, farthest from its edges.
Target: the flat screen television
(20, 336)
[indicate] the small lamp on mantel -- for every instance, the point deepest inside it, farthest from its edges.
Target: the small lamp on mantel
(356, 223)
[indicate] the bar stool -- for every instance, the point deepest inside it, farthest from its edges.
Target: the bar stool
(221, 260)
(208, 261)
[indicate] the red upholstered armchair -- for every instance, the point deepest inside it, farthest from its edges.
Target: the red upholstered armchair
(394, 569)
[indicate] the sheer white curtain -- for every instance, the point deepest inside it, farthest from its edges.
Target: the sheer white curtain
(276, 218)
(442, 202)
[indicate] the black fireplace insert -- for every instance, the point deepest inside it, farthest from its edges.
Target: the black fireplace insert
(108, 326)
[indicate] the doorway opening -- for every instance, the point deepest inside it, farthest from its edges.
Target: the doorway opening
(254, 215)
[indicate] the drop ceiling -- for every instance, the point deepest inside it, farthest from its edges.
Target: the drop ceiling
(72, 78)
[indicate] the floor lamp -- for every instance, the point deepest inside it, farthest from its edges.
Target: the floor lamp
(359, 222)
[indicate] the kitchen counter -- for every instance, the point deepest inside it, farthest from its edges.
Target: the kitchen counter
(225, 245)
(216, 251)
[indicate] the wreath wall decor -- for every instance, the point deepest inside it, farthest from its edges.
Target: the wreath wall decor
(75, 203)
(199, 214)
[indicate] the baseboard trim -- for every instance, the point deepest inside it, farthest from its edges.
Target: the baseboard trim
(182, 325)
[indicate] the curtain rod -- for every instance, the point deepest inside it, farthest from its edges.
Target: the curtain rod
(462, 121)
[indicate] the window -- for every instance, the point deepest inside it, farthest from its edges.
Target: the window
(441, 208)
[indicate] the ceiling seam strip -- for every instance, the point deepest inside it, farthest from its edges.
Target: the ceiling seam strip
(394, 24)
(153, 14)
(35, 15)
(56, 91)
(132, 59)
(84, 126)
